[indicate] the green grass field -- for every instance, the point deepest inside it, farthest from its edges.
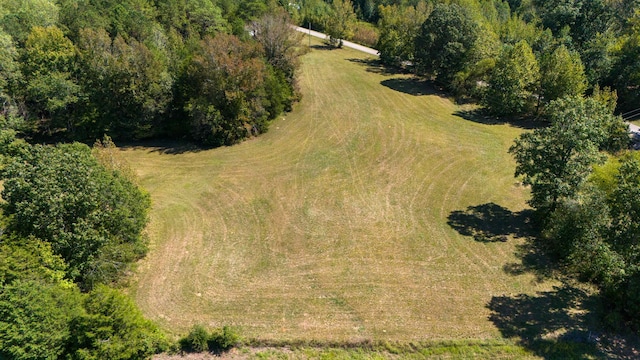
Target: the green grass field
(335, 225)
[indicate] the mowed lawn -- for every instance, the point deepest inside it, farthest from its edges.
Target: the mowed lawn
(333, 226)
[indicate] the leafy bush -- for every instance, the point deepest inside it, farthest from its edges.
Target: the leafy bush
(34, 319)
(223, 339)
(113, 328)
(196, 341)
(200, 340)
(93, 217)
(365, 34)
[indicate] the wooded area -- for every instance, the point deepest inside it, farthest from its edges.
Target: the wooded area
(76, 70)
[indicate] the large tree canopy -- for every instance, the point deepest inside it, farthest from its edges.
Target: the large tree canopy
(513, 81)
(562, 74)
(443, 44)
(556, 160)
(93, 217)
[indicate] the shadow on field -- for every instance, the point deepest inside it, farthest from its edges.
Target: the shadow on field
(169, 147)
(491, 222)
(482, 117)
(323, 47)
(377, 67)
(552, 324)
(413, 86)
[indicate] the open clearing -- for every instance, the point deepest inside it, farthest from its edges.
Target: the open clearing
(334, 226)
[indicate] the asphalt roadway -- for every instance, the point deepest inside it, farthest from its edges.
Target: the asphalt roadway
(348, 44)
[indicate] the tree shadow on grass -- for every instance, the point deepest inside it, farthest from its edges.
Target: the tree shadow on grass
(414, 86)
(560, 324)
(377, 67)
(557, 324)
(482, 117)
(323, 47)
(169, 147)
(491, 222)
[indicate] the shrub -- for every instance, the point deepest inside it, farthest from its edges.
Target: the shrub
(200, 340)
(196, 341)
(223, 339)
(365, 34)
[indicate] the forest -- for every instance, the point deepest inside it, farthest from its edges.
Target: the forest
(216, 72)
(73, 216)
(75, 70)
(137, 69)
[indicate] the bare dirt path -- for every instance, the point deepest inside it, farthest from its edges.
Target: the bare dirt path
(348, 44)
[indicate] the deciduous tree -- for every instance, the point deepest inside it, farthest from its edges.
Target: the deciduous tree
(227, 91)
(339, 25)
(513, 81)
(34, 320)
(50, 90)
(127, 82)
(444, 42)
(557, 159)
(562, 74)
(92, 217)
(399, 27)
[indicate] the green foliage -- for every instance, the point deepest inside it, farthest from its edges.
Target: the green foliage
(197, 340)
(562, 74)
(34, 320)
(127, 84)
(625, 209)
(9, 66)
(314, 13)
(47, 65)
(30, 260)
(399, 27)
(556, 160)
(191, 17)
(585, 19)
(445, 40)
(112, 327)
(224, 339)
(339, 25)
(232, 91)
(18, 17)
(200, 340)
(513, 81)
(625, 74)
(92, 217)
(86, 68)
(596, 233)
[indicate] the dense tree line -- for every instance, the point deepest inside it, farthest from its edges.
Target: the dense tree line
(72, 217)
(585, 188)
(72, 223)
(77, 69)
(471, 47)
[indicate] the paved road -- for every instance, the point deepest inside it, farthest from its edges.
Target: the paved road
(634, 128)
(348, 44)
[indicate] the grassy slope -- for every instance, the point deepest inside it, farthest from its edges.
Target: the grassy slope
(333, 226)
